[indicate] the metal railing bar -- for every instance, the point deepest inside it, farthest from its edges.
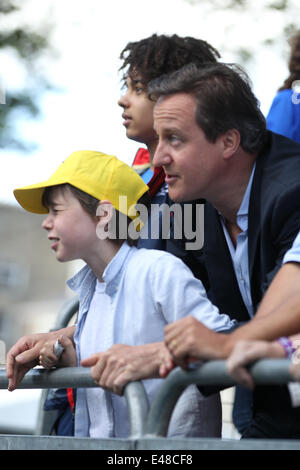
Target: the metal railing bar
(153, 421)
(66, 377)
(25, 442)
(138, 408)
(265, 371)
(80, 377)
(67, 311)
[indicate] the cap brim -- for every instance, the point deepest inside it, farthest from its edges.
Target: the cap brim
(30, 197)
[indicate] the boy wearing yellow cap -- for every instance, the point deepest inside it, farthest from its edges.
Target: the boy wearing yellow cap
(79, 200)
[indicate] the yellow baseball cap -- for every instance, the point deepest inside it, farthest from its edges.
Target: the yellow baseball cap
(102, 176)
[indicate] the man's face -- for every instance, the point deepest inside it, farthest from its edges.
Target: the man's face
(138, 112)
(192, 164)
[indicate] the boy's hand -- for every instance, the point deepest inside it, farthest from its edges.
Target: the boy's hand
(49, 359)
(23, 356)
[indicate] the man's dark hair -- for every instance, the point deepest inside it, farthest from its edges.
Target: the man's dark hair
(160, 54)
(224, 101)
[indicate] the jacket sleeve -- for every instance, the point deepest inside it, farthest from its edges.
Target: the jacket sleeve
(284, 226)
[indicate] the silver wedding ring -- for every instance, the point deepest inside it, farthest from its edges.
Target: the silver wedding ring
(58, 349)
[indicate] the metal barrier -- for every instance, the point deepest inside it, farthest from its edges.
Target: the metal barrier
(266, 371)
(47, 418)
(68, 310)
(148, 425)
(80, 377)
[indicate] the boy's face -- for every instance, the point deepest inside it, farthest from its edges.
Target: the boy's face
(71, 230)
(138, 112)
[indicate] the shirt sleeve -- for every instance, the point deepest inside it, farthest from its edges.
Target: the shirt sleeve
(293, 254)
(178, 293)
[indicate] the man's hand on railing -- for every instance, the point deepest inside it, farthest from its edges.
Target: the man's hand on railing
(49, 359)
(24, 355)
(247, 351)
(121, 364)
(189, 340)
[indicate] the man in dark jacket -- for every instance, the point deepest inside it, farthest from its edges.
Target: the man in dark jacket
(213, 144)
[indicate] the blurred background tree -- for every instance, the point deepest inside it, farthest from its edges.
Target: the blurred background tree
(21, 78)
(254, 11)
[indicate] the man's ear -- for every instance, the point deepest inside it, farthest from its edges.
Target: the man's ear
(230, 141)
(104, 212)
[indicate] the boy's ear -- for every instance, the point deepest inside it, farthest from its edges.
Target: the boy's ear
(104, 212)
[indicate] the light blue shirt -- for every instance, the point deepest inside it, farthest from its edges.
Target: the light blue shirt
(143, 290)
(239, 254)
(293, 254)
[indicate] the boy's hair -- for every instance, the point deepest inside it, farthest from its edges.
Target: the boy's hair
(157, 55)
(87, 202)
(224, 100)
(90, 204)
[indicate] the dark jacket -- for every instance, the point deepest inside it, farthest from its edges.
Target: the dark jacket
(274, 221)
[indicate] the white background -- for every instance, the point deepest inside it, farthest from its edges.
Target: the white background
(87, 37)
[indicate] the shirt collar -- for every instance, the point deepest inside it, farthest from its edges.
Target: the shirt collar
(113, 270)
(242, 214)
(244, 207)
(82, 277)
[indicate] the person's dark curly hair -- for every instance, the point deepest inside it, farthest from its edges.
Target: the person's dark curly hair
(160, 54)
(294, 62)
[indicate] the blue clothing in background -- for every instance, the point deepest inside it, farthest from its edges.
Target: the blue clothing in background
(284, 115)
(147, 175)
